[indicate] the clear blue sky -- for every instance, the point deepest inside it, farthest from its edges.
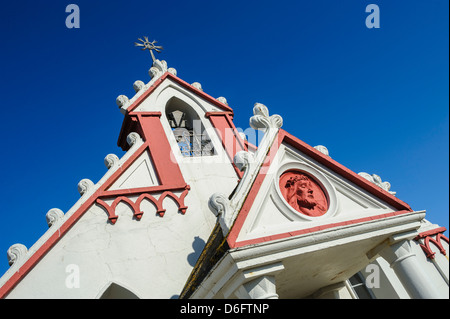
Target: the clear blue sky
(376, 98)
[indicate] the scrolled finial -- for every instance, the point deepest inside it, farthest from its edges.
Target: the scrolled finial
(243, 159)
(172, 71)
(132, 138)
(220, 206)
(375, 179)
(111, 160)
(158, 69)
(260, 109)
(322, 149)
(197, 85)
(261, 119)
(53, 216)
(122, 100)
(84, 185)
(218, 203)
(223, 100)
(15, 253)
(138, 85)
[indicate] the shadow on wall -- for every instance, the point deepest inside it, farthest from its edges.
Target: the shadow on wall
(198, 244)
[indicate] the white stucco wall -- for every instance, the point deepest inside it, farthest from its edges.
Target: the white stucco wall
(151, 257)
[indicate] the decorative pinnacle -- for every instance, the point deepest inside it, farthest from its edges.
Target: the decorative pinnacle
(147, 45)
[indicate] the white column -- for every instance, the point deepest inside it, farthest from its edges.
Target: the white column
(260, 288)
(407, 268)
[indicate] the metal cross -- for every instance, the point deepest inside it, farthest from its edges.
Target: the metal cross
(147, 45)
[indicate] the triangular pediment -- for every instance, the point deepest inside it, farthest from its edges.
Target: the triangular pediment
(300, 189)
(141, 173)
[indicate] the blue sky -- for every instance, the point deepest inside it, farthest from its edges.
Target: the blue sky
(376, 98)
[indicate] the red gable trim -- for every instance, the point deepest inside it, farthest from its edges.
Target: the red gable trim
(242, 215)
(232, 142)
(128, 122)
(186, 85)
(285, 137)
(168, 173)
(317, 228)
(430, 233)
(344, 171)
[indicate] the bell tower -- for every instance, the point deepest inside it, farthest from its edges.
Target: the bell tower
(150, 210)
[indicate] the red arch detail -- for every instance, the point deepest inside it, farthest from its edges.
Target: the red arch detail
(427, 239)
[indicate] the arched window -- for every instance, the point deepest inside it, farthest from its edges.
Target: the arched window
(188, 130)
(115, 291)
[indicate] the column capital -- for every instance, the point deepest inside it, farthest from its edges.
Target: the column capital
(403, 261)
(252, 275)
(263, 287)
(384, 246)
(397, 252)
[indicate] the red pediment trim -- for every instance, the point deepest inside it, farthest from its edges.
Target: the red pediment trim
(128, 123)
(184, 84)
(284, 137)
(427, 238)
(343, 171)
(232, 142)
(170, 180)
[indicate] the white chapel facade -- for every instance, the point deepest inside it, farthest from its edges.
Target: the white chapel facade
(193, 210)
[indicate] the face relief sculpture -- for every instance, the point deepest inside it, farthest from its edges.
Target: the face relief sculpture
(303, 193)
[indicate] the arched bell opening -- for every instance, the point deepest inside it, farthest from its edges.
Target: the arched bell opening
(188, 129)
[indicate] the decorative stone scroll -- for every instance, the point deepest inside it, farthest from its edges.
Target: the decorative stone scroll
(223, 100)
(375, 179)
(122, 100)
(159, 68)
(138, 85)
(261, 119)
(53, 216)
(132, 138)
(220, 206)
(84, 185)
(322, 149)
(16, 253)
(197, 85)
(111, 160)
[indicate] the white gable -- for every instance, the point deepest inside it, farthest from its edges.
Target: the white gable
(169, 89)
(163, 86)
(140, 174)
(271, 214)
(144, 224)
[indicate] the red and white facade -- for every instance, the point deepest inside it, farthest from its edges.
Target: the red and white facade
(281, 220)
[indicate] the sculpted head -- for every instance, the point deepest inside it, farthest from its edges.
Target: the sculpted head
(303, 194)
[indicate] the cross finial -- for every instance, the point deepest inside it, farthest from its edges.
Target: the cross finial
(147, 45)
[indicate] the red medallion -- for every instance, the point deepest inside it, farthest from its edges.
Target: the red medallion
(303, 193)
